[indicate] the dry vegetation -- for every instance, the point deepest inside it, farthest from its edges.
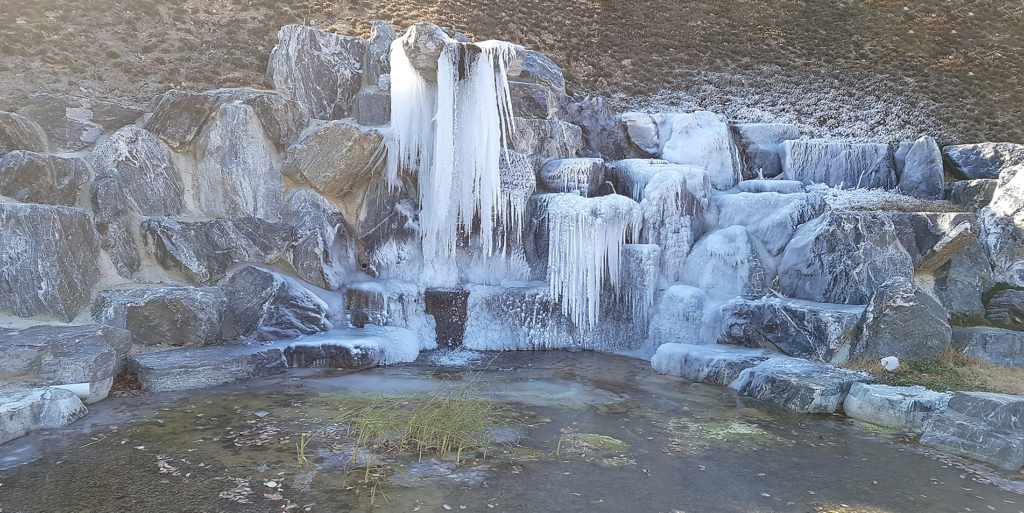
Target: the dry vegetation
(952, 371)
(881, 69)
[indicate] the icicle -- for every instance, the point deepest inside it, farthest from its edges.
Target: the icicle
(410, 138)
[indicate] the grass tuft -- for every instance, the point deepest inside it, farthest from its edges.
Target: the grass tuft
(952, 371)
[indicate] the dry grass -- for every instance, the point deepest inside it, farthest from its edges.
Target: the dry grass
(952, 371)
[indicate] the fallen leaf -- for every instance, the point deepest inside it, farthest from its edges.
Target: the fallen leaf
(417, 508)
(273, 496)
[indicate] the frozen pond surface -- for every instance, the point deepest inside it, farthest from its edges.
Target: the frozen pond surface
(631, 440)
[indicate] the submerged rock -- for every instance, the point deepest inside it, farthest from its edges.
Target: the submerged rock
(902, 408)
(715, 365)
(35, 178)
(40, 408)
(851, 166)
(901, 320)
(994, 345)
(982, 426)
(798, 385)
(266, 305)
(320, 69)
(20, 133)
(982, 160)
(174, 316)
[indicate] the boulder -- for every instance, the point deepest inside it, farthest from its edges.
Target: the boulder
(423, 43)
(194, 368)
(110, 115)
(173, 316)
(815, 331)
(378, 52)
(533, 101)
(703, 139)
(35, 178)
(725, 265)
(546, 138)
(373, 108)
(42, 408)
(266, 305)
(1006, 309)
(515, 318)
(902, 408)
(982, 426)
(238, 173)
(779, 186)
(678, 317)
(203, 251)
(20, 133)
(1004, 242)
(581, 175)
(842, 257)
(48, 264)
(539, 69)
(67, 127)
(630, 177)
(604, 133)
(392, 303)
(960, 282)
(798, 385)
(972, 194)
(769, 217)
(179, 115)
(1008, 198)
(901, 320)
(141, 173)
(983, 160)
(625, 312)
(674, 206)
(324, 252)
(282, 119)
(715, 365)
(388, 231)
(320, 69)
(994, 345)
(116, 224)
(839, 164)
(932, 239)
(922, 175)
(330, 351)
(759, 144)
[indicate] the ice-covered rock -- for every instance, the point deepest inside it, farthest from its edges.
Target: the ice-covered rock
(841, 257)
(901, 320)
(141, 168)
(645, 131)
(389, 231)
(378, 51)
(815, 331)
(266, 305)
(770, 217)
(20, 133)
(902, 408)
(324, 251)
(922, 175)
(630, 177)
(715, 365)
(547, 138)
(1004, 242)
(1008, 198)
(994, 345)
(515, 318)
(42, 408)
(35, 178)
(982, 160)
(194, 368)
(759, 144)
(423, 43)
(932, 239)
(674, 206)
(960, 282)
(982, 426)
(582, 175)
(626, 309)
(392, 303)
(704, 139)
(321, 69)
(174, 316)
(179, 115)
(849, 165)
(779, 186)
(972, 194)
(679, 317)
(337, 349)
(1006, 309)
(48, 261)
(798, 385)
(725, 265)
(604, 133)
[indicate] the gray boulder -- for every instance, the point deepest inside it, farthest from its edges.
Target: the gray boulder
(173, 316)
(194, 368)
(539, 69)
(203, 251)
(715, 365)
(1006, 309)
(760, 146)
(423, 43)
(902, 408)
(702, 139)
(283, 119)
(816, 331)
(852, 166)
(20, 133)
(42, 408)
(983, 160)
(842, 257)
(69, 128)
(580, 175)
(392, 303)
(679, 317)
(179, 115)
(982, 426)
(798, 385)
(269, 306)
(142, 169)
(932, 239)
(116, 224)
(110, 115)
(1004, 242)
(320, 69)
(49, 179)
(515, 318)
(604, 133)
(336, 159)
(994, 345)
(373, 108)
(922, 175)
(324, 251)
(378, 52)
(972, 194)
(387, 230)
(533, 101)
(546, 138)
(901, 320)
(1008, 198)
(49, 260)
(960, 282)
(770, 217)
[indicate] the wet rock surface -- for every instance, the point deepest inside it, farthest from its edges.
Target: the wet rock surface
(715, 364)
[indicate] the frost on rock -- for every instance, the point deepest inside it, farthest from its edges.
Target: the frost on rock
(399, 344)
(770, 218)
(515, 318)
(699, 138)
(1008, 199)
(724, 264)
(674, 215)
(393, 303)
(679, 316)
(1005, 244)
(581, 175)
(839, 164)
(625, 310)
(630, 177)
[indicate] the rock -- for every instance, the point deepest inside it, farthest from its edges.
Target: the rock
(983, 160)
(901, 157)
(922, 175)
(932, 239)
(902, 408)
(972, 194)
(515, 318)
(604, 133)
(724, 265)
(815, 331)
(238, 173)
(539, 69)
(838, 164)
(625, 314)
(759, 144)
(116, 225)
(1008, 198)
(533, 101)
(325, 351)
(1004, 242)
(373, 108)
(282, 119)
(111, 115)
(324, 252)
(69, 128)
(674, 206)
(423, 43)
(266, 305)
(630, 177)
(704, 139)
(173, 316)
(679, 317)
(392, 303)
(798, 385)
(994, 345)
(203, 251)
(144, 172)
(770, 217)
(378, 52)
(960, 282)
(778, 186)
(48, 263)
(180, 115)
(320, 69)
(193, 368)
(580, 175)
(20, 133)
(715, 365)
(546, 138)
(842, 257)
(1006, 309)
(901, 320)
(982, 426)
(388, 231)
(384, 83)
(646, 131)
(49, 179)
(42, 408)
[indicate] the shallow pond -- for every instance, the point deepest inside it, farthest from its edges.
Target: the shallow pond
(595, 432)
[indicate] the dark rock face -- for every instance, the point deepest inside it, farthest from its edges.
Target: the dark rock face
(533, 101)
(320, 69)
(983, 160)
(373, 108)
(994, 345)
(604, 133)
(972, 194)
(174, 316)
(324, 251)
(922, 175)
(48, 263)
(798, 385)
(192, 368)
(867, 165)
(568, 175)
(67, 127)
(269, 306)
(137, 164)
(179, 116)
(760, 146)
(448, 307)
(392, 303)
(49, 179)
(1006, 309)
(815, 331)
(842, 257)
(932, 239)
(716, 365)
(334, 355)
(960, 282)
(378, 53)
(203, 251)
(982, 426)
(901, 320)
(20, 133)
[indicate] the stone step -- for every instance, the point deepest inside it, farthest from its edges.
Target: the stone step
(798, 385)
(714, 364)
(983, 426)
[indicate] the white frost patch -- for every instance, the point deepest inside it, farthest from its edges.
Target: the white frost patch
(398, 345)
